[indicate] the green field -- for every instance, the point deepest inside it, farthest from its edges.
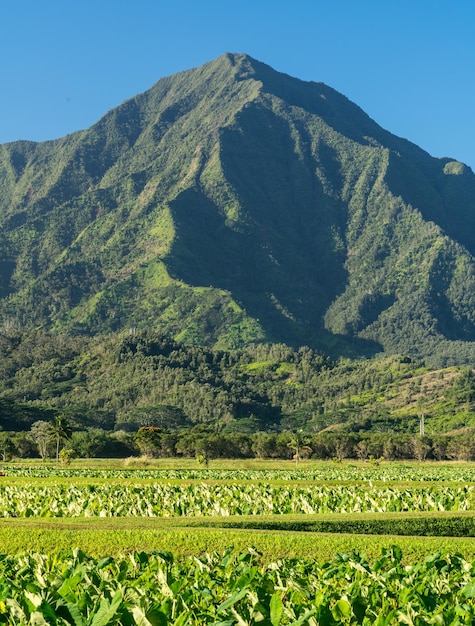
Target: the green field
(99, 533)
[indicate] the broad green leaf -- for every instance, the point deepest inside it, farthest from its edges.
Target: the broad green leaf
(276, 609)
(34, 598)
(469, 590)
(235, 597)
(37, 619)
(396, 553)
(149, 618)
(107, 610)
(79, 619)
(15, 609)
(342, 609)
(70, 584)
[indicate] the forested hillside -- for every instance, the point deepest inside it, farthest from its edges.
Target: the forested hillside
(231, 205)
(132, 380)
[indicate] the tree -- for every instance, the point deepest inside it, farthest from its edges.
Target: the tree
(421, 447)
(264, 445)
(90, 443)
(67, 455)
(299, 444)
(23, 444)
(6, 446)
(40, 434)
(362, 449)
(161, 416)
(463, 389)
(439, 447)
(60, 430)
(148, 440)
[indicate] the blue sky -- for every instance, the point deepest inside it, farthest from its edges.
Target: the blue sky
(408, 63)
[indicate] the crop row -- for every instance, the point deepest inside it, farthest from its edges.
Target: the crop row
(457, 525)
(235, 589)
(204, 499)
(334, 472)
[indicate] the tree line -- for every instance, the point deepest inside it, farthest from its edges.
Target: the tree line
(57, 440)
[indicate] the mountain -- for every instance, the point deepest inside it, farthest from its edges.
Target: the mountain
(232, 204)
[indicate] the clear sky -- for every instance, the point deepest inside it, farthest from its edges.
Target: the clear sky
(410, 64)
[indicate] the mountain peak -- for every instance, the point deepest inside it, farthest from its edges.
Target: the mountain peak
(231, 204)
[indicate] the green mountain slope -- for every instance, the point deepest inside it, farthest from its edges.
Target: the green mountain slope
(125, 380)
(232, 204)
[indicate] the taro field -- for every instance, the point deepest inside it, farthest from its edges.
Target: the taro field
(232, 545)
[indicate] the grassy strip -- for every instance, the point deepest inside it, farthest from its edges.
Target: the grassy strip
(273, 538)
(184, 542)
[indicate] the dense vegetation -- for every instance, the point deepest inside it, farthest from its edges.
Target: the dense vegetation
(203, 499)
(235, 589)
(231, 205)
(157, 546)
(141, 393)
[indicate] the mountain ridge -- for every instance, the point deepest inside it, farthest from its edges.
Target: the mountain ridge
(231, 204)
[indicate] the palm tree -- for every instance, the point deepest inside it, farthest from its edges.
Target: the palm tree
(298, 443)
(60, 430)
